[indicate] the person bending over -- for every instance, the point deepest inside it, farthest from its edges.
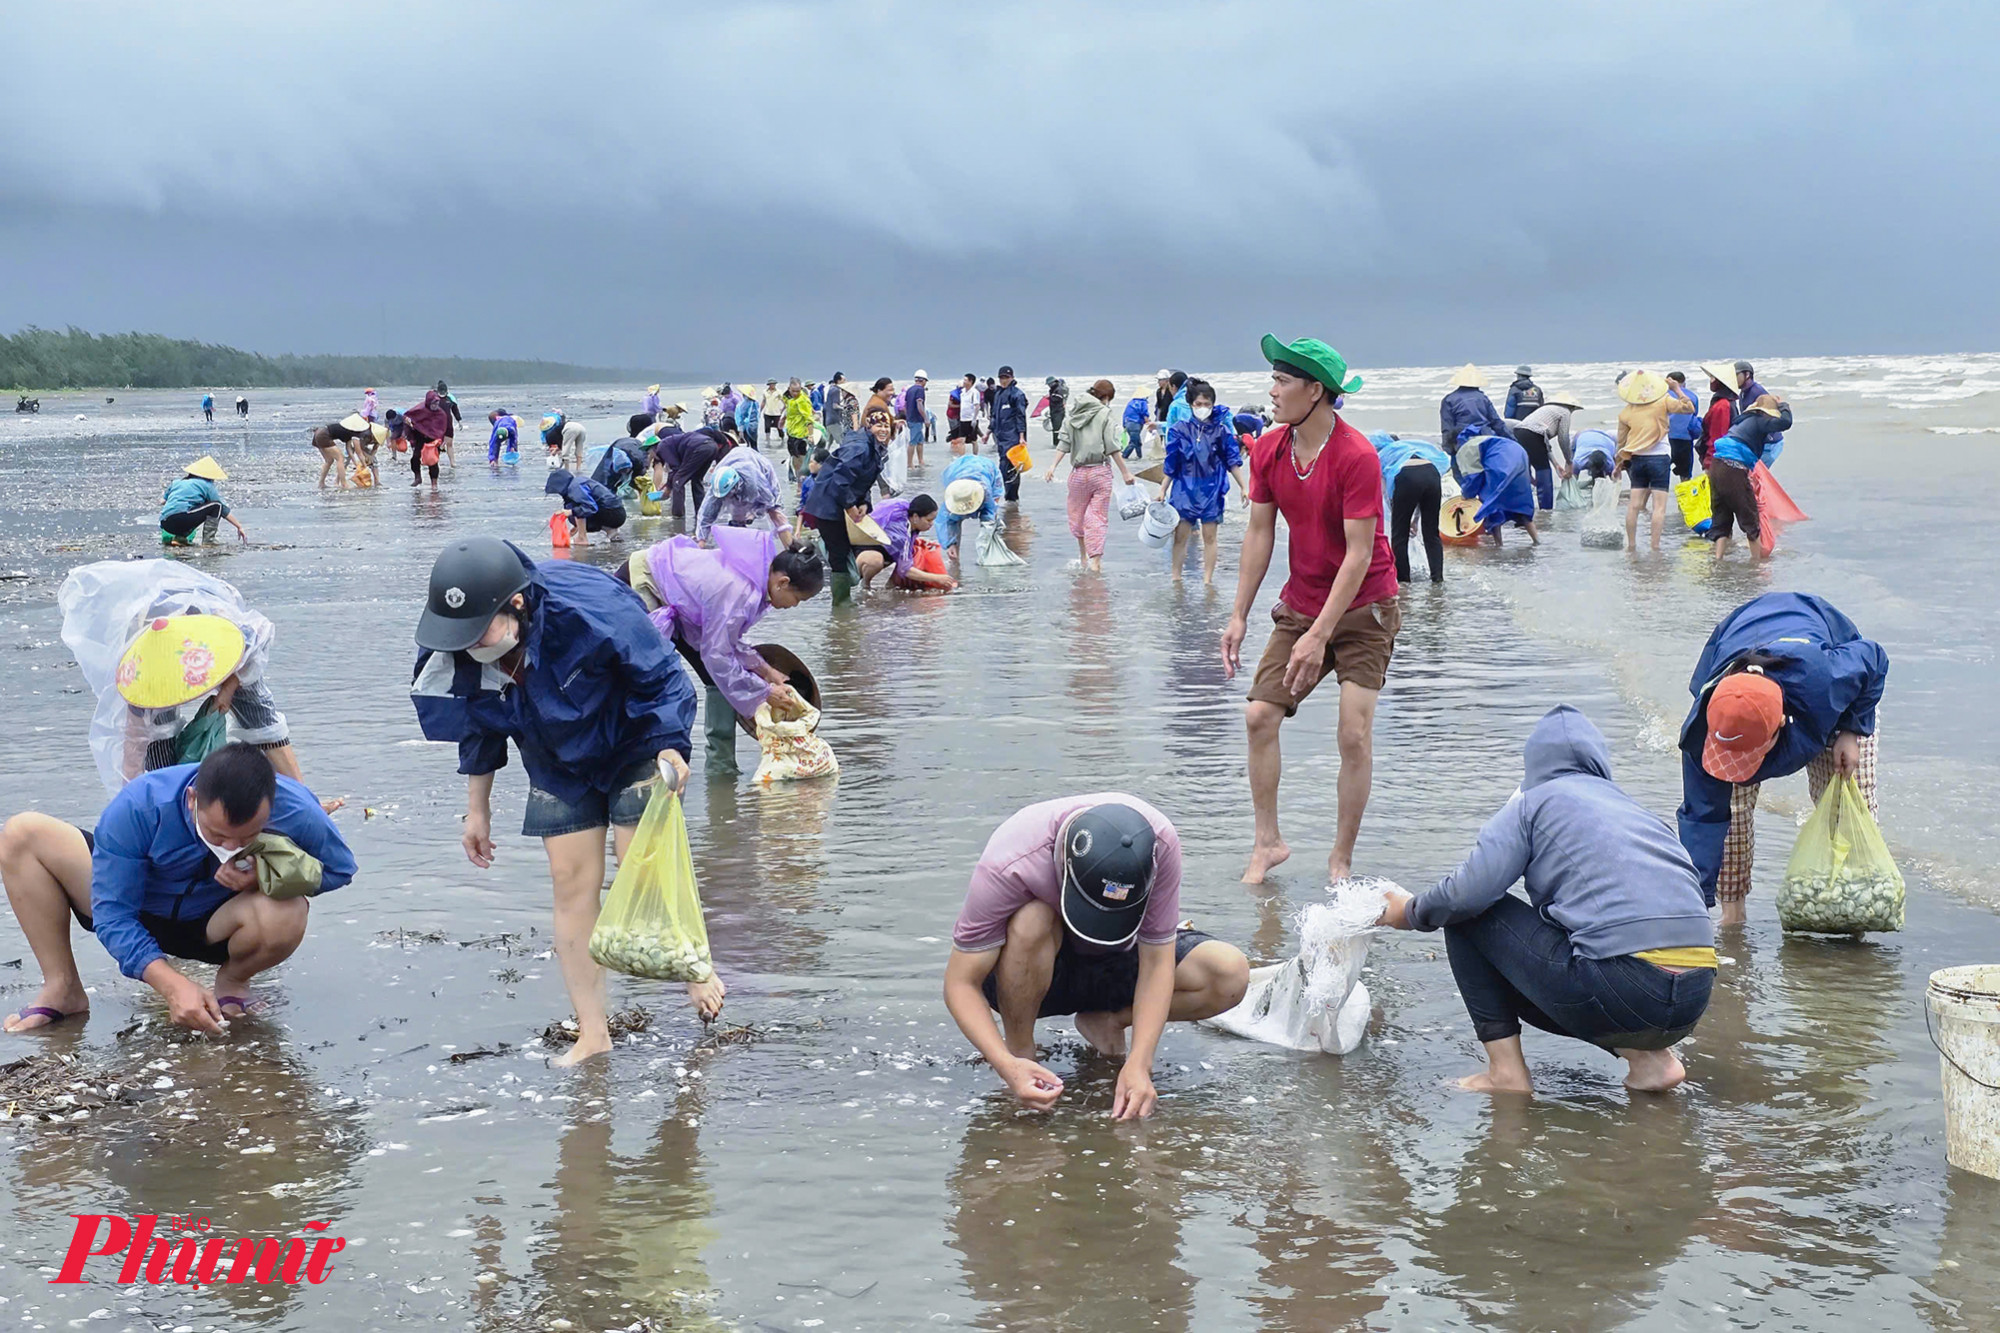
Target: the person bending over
(171, 871)
(1613, 945)
(1073, 910)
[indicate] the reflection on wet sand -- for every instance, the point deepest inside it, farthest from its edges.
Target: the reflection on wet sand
(1550, 1225)
(625, 1234)
(760, 855)
(1076, 1226)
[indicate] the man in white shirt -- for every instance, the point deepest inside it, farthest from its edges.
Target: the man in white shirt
(772, 406)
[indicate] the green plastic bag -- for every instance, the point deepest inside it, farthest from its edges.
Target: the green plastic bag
(651, 925)
(1841, 879)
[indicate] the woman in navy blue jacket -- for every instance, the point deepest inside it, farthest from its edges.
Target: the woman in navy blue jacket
(560, 658)
(1785, 682)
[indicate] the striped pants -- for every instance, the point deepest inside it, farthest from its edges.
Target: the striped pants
(1739, 849)
(1090, 505)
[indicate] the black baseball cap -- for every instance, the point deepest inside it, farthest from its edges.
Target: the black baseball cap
(1107, 869)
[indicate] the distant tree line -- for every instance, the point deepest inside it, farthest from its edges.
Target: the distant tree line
(73, 359)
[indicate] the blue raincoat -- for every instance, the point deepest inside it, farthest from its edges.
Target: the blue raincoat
(1199, 456)
(1832, 679)
(580, 495)
(1467, 407)
(1394, 453)
(1504, 485)
(506, 437)
(601, 690)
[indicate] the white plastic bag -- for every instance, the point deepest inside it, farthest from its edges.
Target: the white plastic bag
(1604, 522)
(1130, 499)
(1316, 1001)
(993, 547)
(104, 605)
(897, 468)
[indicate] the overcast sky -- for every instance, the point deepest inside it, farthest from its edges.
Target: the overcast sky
(803, 187)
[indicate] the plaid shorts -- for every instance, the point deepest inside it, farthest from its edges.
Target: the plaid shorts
(1739, 849)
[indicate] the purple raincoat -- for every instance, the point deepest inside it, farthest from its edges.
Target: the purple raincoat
(894, 518)
(712, 599)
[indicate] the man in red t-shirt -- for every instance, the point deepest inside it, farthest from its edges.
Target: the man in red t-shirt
(1338, 611)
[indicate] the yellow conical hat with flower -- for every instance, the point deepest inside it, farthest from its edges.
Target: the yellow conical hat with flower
(178, 658)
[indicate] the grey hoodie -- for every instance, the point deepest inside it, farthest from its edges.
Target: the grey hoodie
(1594, 862)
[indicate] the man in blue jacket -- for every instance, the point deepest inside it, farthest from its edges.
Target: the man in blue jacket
(1785, 682)
(1010, 427)
(562, 659)
(170, 870)
(1467, 406)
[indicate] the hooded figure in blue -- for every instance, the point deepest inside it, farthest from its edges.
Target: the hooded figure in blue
(1613, 944)
(620, 461)
(1494, 470)
(1201, 453)
(592, 506)
(562, 659)
(1832, 680)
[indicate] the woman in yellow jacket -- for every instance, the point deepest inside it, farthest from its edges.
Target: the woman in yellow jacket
(798, 426)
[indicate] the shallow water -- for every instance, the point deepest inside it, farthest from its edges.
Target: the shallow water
(854, 1167)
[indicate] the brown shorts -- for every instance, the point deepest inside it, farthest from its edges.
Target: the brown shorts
(1732, 501)
(1363, 641)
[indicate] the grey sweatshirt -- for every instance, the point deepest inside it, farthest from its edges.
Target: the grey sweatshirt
(1594, 862)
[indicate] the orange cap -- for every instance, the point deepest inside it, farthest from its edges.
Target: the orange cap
(1745, 713)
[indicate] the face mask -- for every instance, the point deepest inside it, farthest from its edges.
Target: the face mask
(493, 652)
(1201, 413)
(222, 854)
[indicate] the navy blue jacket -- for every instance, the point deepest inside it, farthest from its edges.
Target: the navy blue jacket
(1010, 415)
(1523, 397)
(1468, 407)
(845, 479)
(1832, 679)
(601, 690)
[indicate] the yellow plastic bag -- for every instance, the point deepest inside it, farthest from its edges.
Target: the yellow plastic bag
(791, 750)
(1692, 496)
(651, 925)
(648, 506)
(1841, 879)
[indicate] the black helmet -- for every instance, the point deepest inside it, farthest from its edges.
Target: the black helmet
(471, 580)
(1107, 873)
(441, 388)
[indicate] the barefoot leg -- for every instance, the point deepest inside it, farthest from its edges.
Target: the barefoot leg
(46, 868)
(1653, 1071)
(1506, 1069)
(576, 870)
(1262, 720)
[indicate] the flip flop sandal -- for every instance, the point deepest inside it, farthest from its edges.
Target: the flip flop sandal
(54, 1016)
(245, 1006)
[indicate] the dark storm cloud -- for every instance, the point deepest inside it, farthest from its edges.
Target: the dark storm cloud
(716, 187)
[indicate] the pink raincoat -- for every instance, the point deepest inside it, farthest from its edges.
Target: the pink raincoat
(712, 599)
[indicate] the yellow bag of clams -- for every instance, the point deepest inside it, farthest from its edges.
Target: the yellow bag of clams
(1841, 879)
(651, 925)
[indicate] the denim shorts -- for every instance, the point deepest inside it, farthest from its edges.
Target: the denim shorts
(1650, 472)
(550, 816)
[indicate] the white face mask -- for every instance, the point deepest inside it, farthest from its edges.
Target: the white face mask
(1201, 413)
(493, 652)
(222, 854)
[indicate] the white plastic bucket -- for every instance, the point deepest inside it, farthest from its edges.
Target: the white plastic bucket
(1964, 1006)
(1157, 527)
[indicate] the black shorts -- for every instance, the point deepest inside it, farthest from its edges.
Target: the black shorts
(773, 423)
(183, 938)
(795, 446)
(1095, 983)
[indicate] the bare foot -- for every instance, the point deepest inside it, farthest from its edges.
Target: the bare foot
(1263, 860)
(1734, 912)
(707, 996)
(1337, 870)
(585, 1048)
(1104, 1033)
(1489, 1082)
(1654, 1071)
(69, 1001)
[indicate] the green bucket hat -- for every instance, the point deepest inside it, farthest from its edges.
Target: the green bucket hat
(1312, 359)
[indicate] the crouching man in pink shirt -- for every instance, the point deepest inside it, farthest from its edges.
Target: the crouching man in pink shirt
(1074, 908)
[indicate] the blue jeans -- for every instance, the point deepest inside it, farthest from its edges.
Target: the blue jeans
(1135, 444)
(1545, 487)
(1513, 966)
